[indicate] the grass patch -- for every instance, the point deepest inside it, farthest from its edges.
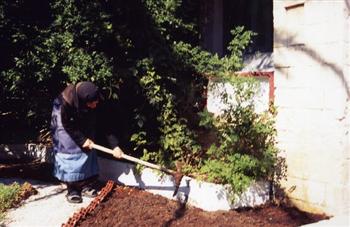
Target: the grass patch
(12, 195)
(8, 196)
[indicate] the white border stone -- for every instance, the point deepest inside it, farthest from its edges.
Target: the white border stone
(204, 195)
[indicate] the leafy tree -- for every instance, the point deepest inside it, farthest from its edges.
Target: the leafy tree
(145, 55)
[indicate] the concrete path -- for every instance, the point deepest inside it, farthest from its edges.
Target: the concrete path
(337, 221)
(48, 208)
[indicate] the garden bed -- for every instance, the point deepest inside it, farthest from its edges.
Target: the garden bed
(126, 206)
(200, 194)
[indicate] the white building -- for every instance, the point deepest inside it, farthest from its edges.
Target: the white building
(304, 50)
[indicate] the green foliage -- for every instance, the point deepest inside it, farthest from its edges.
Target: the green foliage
(240, 41)
(164, 15)
(246, 140)
(46, 49)
(84, 66)
(146, 54)
(8, 195)
(176, 141)
(212, 65)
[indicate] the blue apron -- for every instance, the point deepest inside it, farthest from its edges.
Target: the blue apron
(71, 163)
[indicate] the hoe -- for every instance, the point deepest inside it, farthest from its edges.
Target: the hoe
(177, 175)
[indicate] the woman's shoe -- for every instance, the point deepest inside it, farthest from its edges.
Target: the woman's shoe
(74, 197)
(89, 192)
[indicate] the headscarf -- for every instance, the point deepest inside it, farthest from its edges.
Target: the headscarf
(87, 92)
(80, 94)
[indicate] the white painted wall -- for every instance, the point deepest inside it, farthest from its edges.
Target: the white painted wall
(312, 80)
(217, 88)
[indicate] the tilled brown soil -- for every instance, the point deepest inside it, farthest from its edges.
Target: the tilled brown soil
(126, 206)
(133, 207)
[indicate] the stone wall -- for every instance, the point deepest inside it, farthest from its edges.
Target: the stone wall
(311, 57)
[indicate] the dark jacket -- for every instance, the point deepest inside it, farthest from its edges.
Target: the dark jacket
(72, 123)
(82, 123)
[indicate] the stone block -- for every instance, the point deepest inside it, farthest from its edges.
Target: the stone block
(327, 75)
(335, 116)
(329, 55)
(295, 24)
(308, 207)
(312, 193)
(295, 163)
(315, 169)
(293, 187)
(298, 119)
(279, 14)
(337, 100)
(316, 76)
(316, 192)
(337, 199)
(306, 98)
(281, 56)
(280, 37)
(324, 11)
(281, 77)
(295, 56)
(322, 33)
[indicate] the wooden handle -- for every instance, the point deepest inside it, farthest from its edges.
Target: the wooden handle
(133, 159)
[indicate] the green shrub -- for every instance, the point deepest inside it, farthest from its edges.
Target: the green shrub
(176, 141)
(245, 147)
(145, 54)
(8, 196)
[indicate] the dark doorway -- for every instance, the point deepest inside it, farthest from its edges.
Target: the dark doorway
(221, 16)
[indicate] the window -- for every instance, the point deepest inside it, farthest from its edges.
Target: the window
(254, 15)
(221, 16)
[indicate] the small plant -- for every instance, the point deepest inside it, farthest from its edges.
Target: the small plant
(245, 148)
(12, 195)
(8, 196)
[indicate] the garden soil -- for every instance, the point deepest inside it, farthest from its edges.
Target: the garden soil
(127, 206)
(133, 207)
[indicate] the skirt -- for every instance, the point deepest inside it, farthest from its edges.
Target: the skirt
(71, 163)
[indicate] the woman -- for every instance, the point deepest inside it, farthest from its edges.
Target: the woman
(73, 125)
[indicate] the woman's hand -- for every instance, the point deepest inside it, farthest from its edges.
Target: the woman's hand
(117, 152)
(88, 144)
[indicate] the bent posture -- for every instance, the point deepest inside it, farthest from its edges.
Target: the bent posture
(73, 125)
